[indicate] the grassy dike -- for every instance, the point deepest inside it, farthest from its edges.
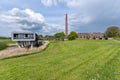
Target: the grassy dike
(68, 60)
(4, 43)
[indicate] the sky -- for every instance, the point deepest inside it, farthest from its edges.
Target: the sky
(47, 17)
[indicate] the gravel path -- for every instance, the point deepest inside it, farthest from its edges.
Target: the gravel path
(15, 51)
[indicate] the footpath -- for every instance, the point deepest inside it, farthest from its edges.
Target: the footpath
(10, 52)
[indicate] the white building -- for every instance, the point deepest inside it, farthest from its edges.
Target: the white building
(25, 39)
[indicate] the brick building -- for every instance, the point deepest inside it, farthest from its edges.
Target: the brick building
(91, 35)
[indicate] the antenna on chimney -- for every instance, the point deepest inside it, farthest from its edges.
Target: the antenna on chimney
(66, 25)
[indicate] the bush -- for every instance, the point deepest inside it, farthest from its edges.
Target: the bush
(59, 36)
(72, 36)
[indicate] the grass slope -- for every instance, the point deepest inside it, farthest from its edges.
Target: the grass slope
(68, 60)
(4, 43)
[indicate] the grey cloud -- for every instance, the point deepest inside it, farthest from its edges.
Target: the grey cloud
(100, 14)
(92, 15)
(27, 20)
(30, 26)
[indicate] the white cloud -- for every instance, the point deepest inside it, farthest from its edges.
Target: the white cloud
(23, 19)
(73, 3)
(50, 2)
(27, 20)
(70, 3)
(92, 15)
(81, 18)
(52, 28)
(17, 15)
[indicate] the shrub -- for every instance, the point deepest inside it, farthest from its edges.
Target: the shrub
(72, 36)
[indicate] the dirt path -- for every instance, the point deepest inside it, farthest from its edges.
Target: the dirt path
(15, 51)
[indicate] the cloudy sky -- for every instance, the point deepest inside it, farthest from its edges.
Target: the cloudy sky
(47, 16)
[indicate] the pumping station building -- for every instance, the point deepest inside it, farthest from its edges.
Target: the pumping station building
(25, 39)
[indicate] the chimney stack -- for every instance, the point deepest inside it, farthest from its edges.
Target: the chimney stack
(66, 25)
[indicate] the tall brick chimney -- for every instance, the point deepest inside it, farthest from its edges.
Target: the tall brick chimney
(66, 25)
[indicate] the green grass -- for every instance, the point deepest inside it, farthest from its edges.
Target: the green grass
(4, 43)
(7, 41)
(68, 60)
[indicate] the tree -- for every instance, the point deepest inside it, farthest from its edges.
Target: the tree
(72, 35)
(59, 36)
(49, 37)
(112, 31)
(40, 37)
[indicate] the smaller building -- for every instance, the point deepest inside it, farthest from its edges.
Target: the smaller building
(91, 35)
(25, 39)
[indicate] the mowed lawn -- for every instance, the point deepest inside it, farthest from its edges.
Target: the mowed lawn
(67, 60)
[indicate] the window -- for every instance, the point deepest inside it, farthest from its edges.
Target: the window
(26, 35)
(15, 36)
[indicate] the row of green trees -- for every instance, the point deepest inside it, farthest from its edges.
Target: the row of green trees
(111, 32)
(59, 36)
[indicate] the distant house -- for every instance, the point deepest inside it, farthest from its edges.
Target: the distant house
(25, 39)
(91, 35)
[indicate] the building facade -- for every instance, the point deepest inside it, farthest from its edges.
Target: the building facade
(91, 35)
(25, 39)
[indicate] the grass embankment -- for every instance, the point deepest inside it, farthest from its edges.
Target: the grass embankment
(4, 43)
(68, 60)
(7, 41)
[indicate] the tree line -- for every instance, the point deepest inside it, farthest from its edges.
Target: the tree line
(111, 32)
(60, 36)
